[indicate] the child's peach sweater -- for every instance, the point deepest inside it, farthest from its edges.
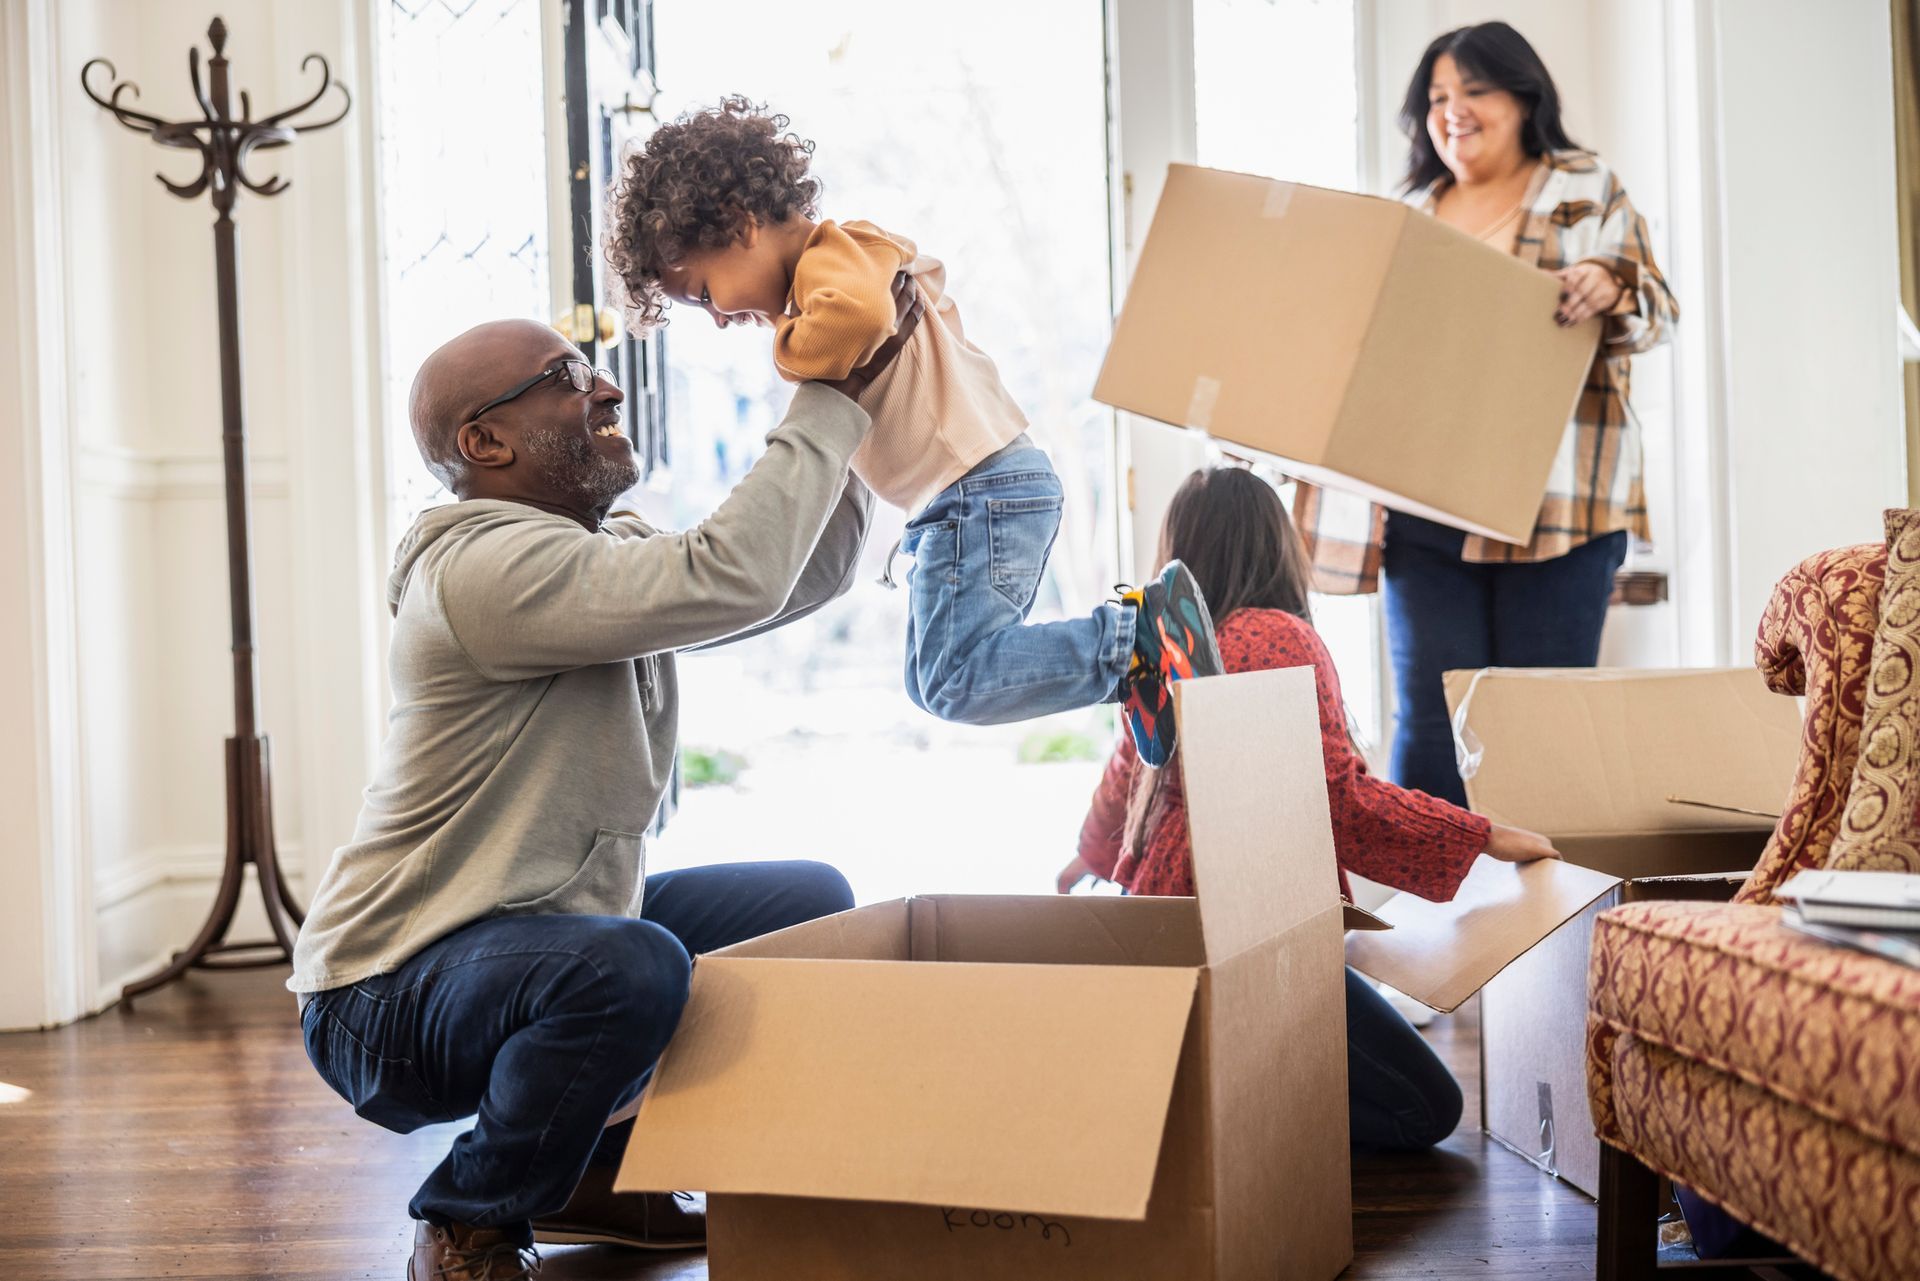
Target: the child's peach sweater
(939, 408)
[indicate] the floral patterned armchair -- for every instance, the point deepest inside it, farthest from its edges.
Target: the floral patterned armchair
(1775, 1075)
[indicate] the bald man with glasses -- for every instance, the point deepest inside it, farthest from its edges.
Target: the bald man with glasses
(488, 944)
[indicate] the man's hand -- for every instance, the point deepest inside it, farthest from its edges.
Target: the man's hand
(1072, 874)
(907, 310)
(1517, 845)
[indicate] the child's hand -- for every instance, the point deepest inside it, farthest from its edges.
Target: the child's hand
(1517, 845)
(1072, 874)
(907, 309)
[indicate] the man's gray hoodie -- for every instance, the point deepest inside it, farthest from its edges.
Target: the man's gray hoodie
(535, 702)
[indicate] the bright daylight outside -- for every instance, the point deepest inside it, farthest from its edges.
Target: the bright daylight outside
(992, 156)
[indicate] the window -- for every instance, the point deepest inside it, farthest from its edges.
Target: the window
(990, 152)
(1276, 94)
(463, 155)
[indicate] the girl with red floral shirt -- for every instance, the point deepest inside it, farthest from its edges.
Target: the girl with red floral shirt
(1232, 532)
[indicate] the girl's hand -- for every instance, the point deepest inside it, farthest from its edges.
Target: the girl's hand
(1517, 845)
(1586, 289)
(1072, 874)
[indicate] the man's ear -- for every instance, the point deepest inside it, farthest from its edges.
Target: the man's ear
(481, 448)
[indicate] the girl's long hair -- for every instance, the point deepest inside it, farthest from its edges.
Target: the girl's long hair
(1236, 537)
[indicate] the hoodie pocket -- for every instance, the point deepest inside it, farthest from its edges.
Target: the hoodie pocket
(608, 883)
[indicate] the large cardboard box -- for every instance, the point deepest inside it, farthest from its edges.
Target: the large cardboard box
(1366, 346)
(957, 1087)
(1653, 784)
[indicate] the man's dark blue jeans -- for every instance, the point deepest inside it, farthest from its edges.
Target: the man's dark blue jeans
(1446, 614)
(544, 1026)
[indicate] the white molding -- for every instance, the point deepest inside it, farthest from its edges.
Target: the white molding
(1154, 124)
(153, 904)
(148, 475)
(1703, 555)
(163, 866)
(53, 860)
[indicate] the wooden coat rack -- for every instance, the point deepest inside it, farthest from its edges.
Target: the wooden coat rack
(224, 144)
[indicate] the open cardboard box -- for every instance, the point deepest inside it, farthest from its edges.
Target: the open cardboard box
(1596, 760)
(1363, 345)
(961, 1087)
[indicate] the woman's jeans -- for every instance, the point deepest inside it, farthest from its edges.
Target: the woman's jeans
(1399, 1093)
(979, 550)
(1446, 614)
(544, 1026)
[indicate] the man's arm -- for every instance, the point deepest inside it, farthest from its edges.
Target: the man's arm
(528, 598)
(829, 571)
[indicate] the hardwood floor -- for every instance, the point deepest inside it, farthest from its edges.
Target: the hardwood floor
(189, 1138)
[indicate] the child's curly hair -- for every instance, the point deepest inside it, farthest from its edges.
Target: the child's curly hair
(694, 186)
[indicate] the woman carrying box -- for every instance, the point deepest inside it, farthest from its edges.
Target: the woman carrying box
(1230, 529)
(1491, 158)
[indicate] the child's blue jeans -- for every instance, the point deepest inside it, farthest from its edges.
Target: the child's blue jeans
(979, 550)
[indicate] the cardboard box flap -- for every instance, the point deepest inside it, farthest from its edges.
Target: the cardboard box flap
(1051, 929)
(1355, 917)
(876, 932)
(1256, 786)
(1442, 953)
(1024, 1087)
(1772, 816)
(1584, 752)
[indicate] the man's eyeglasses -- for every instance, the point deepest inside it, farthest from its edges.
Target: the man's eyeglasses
(578, 373)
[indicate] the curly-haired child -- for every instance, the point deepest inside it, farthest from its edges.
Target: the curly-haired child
(719, 211)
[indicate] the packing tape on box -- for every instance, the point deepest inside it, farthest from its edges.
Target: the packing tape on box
(1206, 394)
(1279, 196)
(1468, 750)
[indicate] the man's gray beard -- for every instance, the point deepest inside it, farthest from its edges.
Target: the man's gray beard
(569, 464)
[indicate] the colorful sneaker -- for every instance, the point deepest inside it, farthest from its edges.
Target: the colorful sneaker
(1144, 701)
(1172, 640)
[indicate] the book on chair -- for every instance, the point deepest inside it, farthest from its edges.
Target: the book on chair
(1869, 900)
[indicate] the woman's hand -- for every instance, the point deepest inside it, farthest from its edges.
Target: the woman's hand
(1518, 845)
(1586, 289)
(907, 310)
(1072, 874)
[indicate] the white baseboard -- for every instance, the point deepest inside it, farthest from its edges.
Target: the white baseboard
(152, 904)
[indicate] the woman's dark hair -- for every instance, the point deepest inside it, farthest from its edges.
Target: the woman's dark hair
(1493, 53)
(1234, 534)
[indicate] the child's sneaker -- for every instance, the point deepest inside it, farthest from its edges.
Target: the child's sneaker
(1172, 640)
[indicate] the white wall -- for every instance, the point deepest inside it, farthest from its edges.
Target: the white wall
(133, 297)
(1815, 436)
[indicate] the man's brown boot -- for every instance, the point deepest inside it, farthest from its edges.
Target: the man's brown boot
(597, 1215)
(461, 1253)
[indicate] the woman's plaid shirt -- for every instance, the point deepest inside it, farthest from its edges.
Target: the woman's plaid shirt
(1577, 211)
